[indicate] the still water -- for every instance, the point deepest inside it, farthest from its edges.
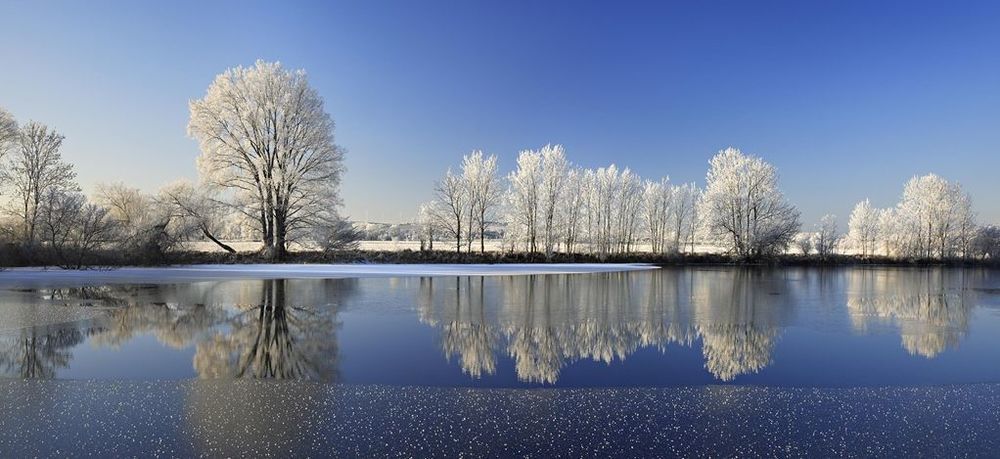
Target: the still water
(666, 327)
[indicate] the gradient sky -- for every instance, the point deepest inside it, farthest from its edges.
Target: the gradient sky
(847, 99)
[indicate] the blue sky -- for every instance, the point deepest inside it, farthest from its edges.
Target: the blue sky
(847, 99)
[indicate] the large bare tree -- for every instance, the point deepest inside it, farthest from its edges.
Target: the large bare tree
(267, 140)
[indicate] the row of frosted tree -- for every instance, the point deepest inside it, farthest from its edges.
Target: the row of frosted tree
(547, 205)
(269, 171)
(933, 219)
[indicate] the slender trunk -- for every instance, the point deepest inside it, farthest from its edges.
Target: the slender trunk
(482, 232)
(221, 244)
(267, 234)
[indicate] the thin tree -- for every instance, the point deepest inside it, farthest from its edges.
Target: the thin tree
(555, 169)
(483, 184)
(452, 205)
(826, 235)
(524, 197)
(862, 228)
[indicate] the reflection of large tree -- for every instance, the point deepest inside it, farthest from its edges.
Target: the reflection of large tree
(931, 307)
(282, 329)
(272, 339)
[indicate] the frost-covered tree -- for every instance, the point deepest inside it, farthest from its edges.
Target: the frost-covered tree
(891, 231)
(555, 168)
(485, 193)
(936, 217)
(603, 208)
(826, 235)
(35, 169)
(742, 207)
(685, 214)
(657, 210)
(628, 210)
(612, 209)
(862, 228)
(572, 209)
(524, 198)
(967, 228)
(669, 214)
(267, 140)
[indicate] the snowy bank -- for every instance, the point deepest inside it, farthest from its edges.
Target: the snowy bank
(192, 273)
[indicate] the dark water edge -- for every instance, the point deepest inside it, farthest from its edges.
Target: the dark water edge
(13, 258)
(260, 418)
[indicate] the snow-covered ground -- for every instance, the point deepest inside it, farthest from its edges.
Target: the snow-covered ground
(312, 271)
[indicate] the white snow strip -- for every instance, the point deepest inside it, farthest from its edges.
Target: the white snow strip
(191, 273)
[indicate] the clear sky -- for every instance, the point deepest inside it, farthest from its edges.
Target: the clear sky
(847, 99)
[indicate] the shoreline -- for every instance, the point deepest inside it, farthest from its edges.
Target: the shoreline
(437, 257)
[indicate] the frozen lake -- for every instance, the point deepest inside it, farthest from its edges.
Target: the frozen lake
(605, 330)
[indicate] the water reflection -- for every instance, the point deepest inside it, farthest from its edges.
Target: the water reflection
(38, 352)
(930, 307)
(274, 329)
(545, 323)
(272, 339)
(536, 325)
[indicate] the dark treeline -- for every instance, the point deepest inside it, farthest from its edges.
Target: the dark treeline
(14, 256)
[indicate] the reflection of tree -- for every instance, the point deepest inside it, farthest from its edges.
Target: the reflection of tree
(39, 351)
(272, 339)
(738, 316)
(176, 326)
(242, 329)
(931, 312)
(464, 328)
(550, 321)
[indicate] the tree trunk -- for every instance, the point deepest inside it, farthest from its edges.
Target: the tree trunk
(221, 244)
(279, 237)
